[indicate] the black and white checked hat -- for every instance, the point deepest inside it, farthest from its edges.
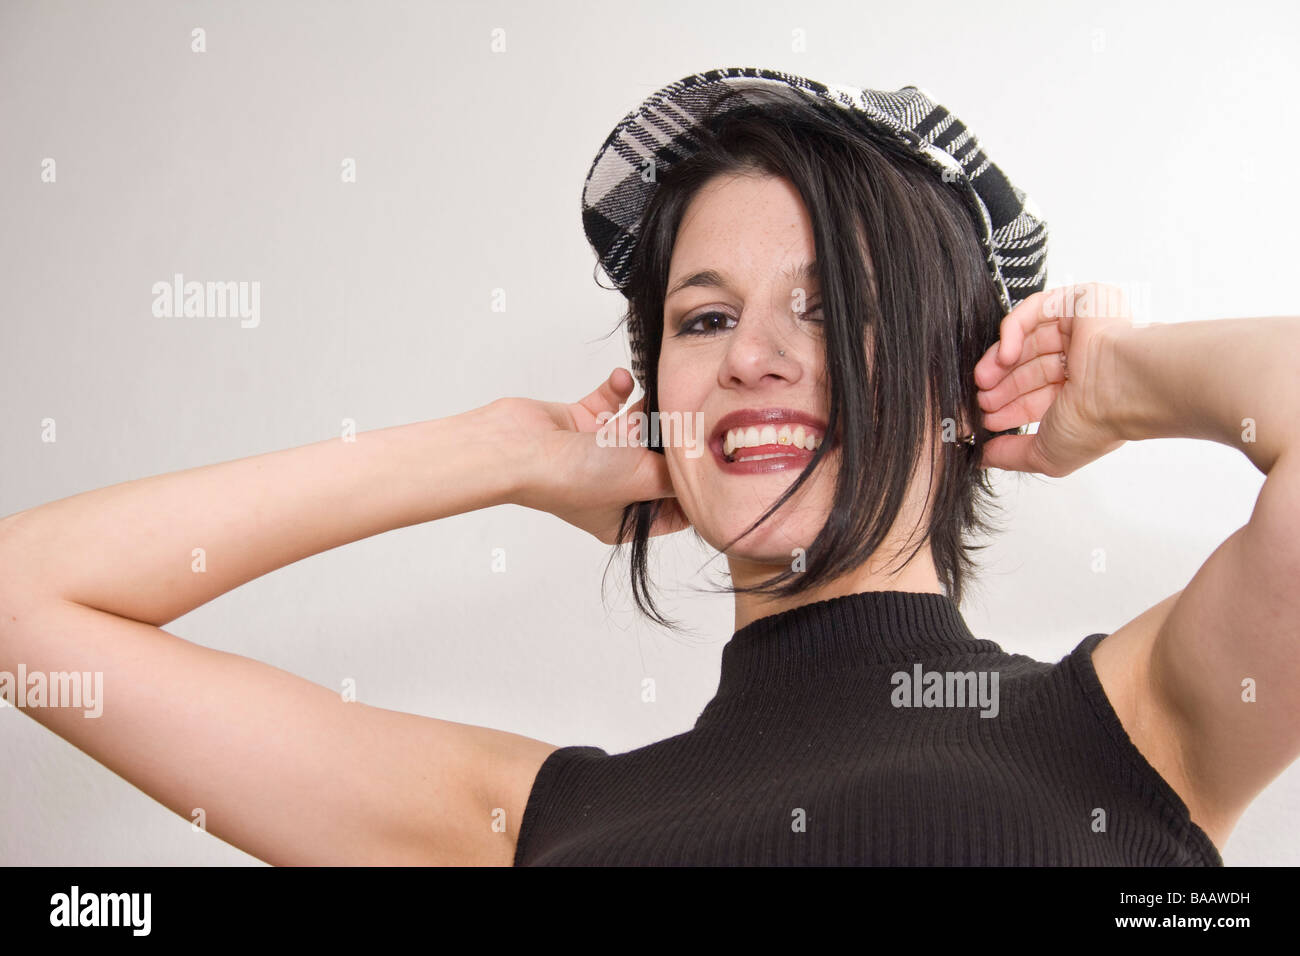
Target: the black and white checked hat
(664, 130)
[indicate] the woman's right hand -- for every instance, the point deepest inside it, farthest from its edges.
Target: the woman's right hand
(572, 476)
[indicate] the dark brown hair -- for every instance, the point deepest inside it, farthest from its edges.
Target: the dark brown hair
(929, 307)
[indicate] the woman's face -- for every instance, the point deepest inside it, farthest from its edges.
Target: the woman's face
(721, 356)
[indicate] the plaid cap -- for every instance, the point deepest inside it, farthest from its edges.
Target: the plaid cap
(665, 129)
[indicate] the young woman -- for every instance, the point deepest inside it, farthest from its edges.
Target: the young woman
(822, 297)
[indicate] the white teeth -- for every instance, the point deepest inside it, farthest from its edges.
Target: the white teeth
(754, 435)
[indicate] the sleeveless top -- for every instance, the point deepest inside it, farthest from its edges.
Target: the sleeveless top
(872, 729)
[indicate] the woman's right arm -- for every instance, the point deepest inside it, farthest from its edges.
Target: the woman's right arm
(281, 767)
(132, 549)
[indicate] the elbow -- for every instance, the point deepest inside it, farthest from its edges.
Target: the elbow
(8, 552)
(16, 587)
(1274, 527)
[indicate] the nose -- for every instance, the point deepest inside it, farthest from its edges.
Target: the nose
(754, 350)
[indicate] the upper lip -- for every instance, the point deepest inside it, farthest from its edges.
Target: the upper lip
(763, 416)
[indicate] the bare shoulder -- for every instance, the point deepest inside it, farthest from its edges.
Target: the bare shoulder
(472, 806)
(509, 764)
(1123, 665)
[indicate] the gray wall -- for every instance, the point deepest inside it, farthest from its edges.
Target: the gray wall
(1155, 138)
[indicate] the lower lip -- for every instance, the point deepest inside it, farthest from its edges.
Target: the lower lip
(791, 458)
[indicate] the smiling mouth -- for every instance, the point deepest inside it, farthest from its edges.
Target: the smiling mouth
(768, 442)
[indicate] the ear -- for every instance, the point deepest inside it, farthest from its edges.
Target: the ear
(966, 427)
(956, 429)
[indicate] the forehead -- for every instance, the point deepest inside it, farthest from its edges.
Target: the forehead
(744, 226)
(803, 272)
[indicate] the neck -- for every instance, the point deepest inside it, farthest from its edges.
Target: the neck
(917, 576)
(813, 649)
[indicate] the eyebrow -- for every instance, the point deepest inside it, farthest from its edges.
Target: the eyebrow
(710, 278)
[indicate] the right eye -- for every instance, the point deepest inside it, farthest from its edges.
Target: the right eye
(689, 327)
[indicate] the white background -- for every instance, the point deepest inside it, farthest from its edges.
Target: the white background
(1159, 141)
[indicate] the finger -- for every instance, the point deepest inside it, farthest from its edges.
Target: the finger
(1044, 339)
(611, 394)
(1010, 453)
(1028, 408)
(636, 409)
(1001, 356)
(1016, 324)
(1042, 309)
(1016, 336)
(1023, 379)
(609, 397)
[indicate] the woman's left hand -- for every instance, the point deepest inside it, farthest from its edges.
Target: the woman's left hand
(1049, 366)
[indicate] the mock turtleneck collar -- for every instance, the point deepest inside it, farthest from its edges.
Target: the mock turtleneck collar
(871, 627)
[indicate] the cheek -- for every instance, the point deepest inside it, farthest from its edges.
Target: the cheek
(683, 472)
(685, 479)
(686, 377)
(672, 391)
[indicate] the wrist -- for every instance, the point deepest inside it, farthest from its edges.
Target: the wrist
(1120, 403)
(515, 477)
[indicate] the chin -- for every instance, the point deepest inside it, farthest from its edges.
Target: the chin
(771, 543)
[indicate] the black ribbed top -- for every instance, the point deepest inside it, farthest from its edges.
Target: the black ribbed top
(814, 751)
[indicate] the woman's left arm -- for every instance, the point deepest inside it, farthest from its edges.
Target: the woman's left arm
(1224, 664)
(1208, 681)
